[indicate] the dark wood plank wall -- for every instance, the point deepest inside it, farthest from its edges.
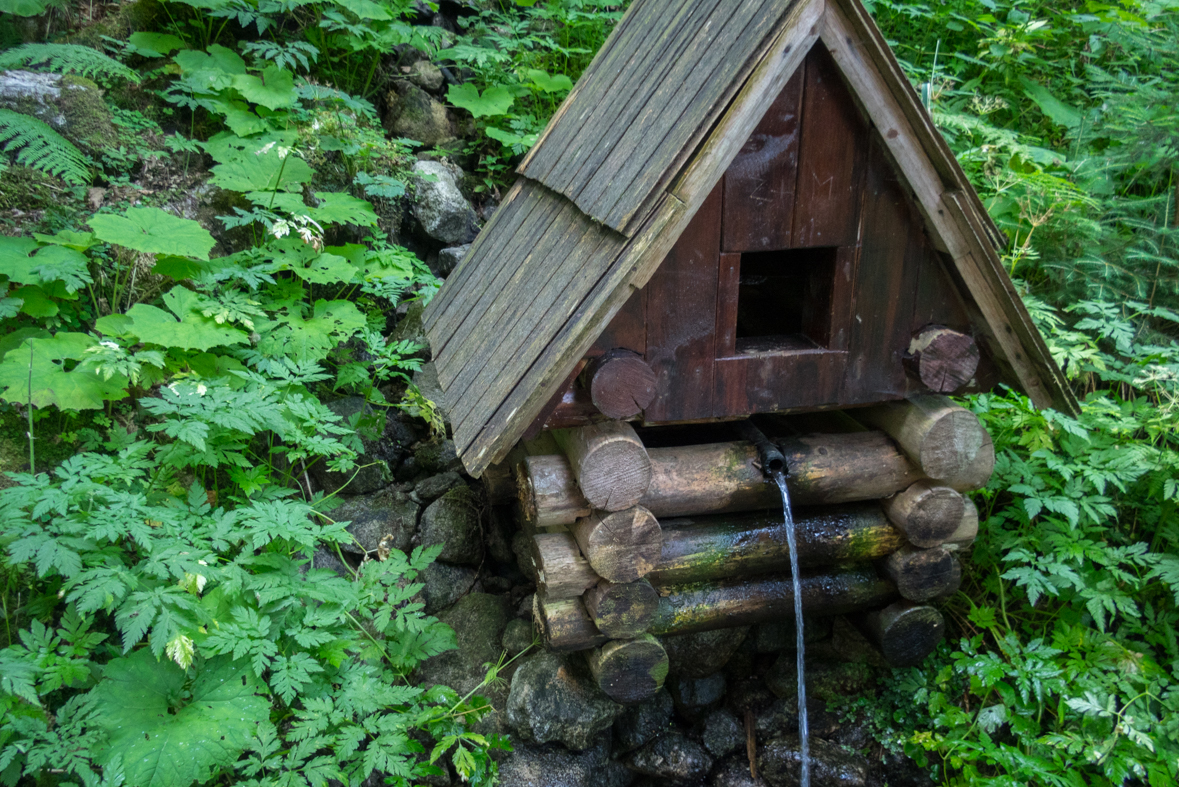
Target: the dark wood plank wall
(812, 174)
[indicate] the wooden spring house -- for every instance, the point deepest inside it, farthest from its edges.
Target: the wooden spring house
(741, 209)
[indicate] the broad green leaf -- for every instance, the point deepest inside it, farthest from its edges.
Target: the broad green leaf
(78, 241)
(23, 7)
(216, 59)
(310, 339)
(548, 83)
(25, 261)
(154, 231)
(339, 208)
(243, 122)
(155, 44)
(264, 171)
(274, 89)
(51, 383)
(167, 740)
(185, 328)
(14, 339)
(365, 9)
(1056, 110)
(183, 268)
(326, 269)
(34, 301)
(389, 262)
(495, 100)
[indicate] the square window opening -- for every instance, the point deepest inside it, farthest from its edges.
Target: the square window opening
(784, 299)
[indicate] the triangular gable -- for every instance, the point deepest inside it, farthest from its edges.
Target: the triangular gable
(566, 249)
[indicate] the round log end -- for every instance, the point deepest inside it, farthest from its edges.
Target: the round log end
(927, 513)
(905, 632)
(957, 450)
(620, 383)
(923, 574)
(621, 546)
(630, 671)
(621, 611)
(942, 359)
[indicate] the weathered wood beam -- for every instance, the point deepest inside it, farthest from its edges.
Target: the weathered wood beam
(905, 632)
(609, 462)
(620, 546)
(629, 670)
(561, 570)
(622, 610)
(923, 574)
(711, 605)
(564, 624)
(943, 360)
(947, 442)
(620, 383)
(927, 513)
(724, 477)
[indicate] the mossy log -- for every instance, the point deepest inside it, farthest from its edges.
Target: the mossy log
(703, 606)
(905, 632)
(621, 609)
(629, 671)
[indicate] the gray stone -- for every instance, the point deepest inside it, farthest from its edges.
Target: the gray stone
(673, 757)
(522, 549)
(450, 257)
(775, 637)
(518, 637)
(373, 470)
(502, 528)
(415, 114)
(426, 75)
(445, 584)
(641, 723)
(553, 766)
(437, 456)
(703, 653)
(453, 521)
(555, 699)
(776, 719)
(734, 772)
(778, 762)
(693, 696)
(442, 210)
(722, 733)
(71, 105)
(825, 680)
(426, 379)
(325, 558)
(478, 620)
(434, 487)
(410, 329)
(388, 515)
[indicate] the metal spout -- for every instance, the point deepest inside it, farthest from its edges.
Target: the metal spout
(769, 455)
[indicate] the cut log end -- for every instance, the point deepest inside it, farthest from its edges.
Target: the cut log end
(622, 610)
(565, 625)
(923, 574)
(620, 383)
(609, 462)
(927, 513)
(943, 360)
(905, 632)
(561, 570)
(621, 546)
(629, 671)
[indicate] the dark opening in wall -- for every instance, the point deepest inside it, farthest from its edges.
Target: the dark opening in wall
(784, 299)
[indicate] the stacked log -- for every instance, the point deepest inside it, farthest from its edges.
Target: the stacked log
(629, 542)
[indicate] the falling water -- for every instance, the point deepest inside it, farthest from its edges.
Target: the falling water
(804, 778)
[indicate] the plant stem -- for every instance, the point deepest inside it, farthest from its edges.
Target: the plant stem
(29, 413)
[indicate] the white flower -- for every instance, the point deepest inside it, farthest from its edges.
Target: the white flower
(264, 149)
(201, 389)
(110, 345)
(281, 229)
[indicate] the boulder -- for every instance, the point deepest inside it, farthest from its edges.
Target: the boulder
(373, 470)
(414, 114)
(426, 75)
(478, 620)
(555, 699)
(775, 637)
(672, 757)
(722, 733)
(436, 456)
(327, 559)
(434, 487)
(734, 772)
(518, 637)
(445, 584)
(640, 723)
(703, 653)
(825, 680)
(453, 521)
(554, 766)
(693, 696)
(388, 514)
(778, 762)
(442, 210)
(449, 259)
(71, 105)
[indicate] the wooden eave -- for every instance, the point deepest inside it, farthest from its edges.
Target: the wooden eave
(624, 165)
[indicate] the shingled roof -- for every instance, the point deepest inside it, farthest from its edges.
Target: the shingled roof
(625, 163)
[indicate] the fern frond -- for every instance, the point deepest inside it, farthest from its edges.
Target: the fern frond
(65, 58)
(36, 145)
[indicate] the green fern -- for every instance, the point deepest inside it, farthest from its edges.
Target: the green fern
(38, 146)
(65, 58)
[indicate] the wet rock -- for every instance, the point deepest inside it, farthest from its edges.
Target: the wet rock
(387, 516)
(778, 762)
(426, 75)
(734, 772)
(776, 719)
(518, 637)
(478, 620)
(502, 528)
(722, 733)
(522, 549)
(449, 259)
(434, 487)
(437, 456)
(410, 329)
(71, 105)
(554, 766)
(445, 584)
(741, 664)
(673, 757)
(453, 521)
(826, 681)
(415, 114)
(555, 699)
(640, 723)
(442, 210)
(372, 470)
(703, 653)
(693, 696)
(775, 637)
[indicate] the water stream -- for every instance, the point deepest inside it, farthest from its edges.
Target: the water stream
(804, 778)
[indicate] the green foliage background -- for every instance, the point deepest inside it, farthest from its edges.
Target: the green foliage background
(187, 375)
